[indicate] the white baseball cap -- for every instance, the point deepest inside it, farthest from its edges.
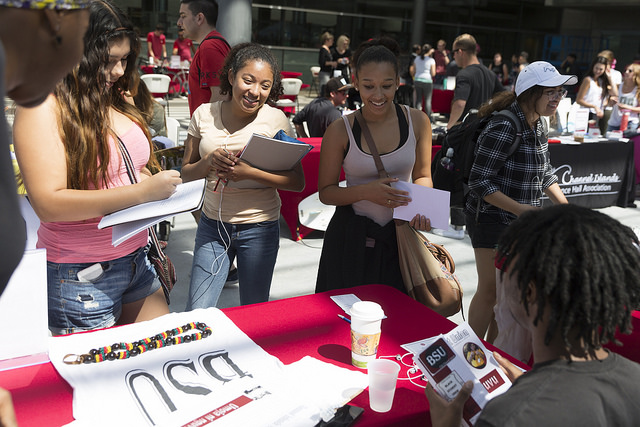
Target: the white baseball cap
(541, 73)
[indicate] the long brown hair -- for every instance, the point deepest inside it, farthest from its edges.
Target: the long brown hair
(84, 102)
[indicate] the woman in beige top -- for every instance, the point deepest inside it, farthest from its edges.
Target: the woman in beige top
(237, 221)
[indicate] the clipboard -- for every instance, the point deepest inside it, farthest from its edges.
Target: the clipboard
(271, 155)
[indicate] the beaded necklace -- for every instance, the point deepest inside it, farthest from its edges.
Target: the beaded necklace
(124, 350)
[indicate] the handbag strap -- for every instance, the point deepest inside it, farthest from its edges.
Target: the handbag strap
(371, 144)
(126, 157)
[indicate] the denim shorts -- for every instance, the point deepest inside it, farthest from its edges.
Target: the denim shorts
(484, 233)
(85, 305)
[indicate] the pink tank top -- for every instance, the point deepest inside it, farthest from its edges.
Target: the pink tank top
(359, 168)
(82, 241)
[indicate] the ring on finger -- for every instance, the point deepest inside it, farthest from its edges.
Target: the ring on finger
(388, 201)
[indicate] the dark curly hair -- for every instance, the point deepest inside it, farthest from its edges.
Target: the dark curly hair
(585, 267)
(84, 101)
(384, 49)
(239, 56)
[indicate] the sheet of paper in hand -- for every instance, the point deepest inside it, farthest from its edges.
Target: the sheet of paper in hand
(430, 202)
(224, 377)
(449, 360)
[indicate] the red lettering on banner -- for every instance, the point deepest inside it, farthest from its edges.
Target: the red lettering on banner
(220, 412)
(492, 381)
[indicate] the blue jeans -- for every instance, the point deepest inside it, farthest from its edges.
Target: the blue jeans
(85, 305)
(217, 244)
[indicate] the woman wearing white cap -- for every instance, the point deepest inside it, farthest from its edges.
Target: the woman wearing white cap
(504, 186)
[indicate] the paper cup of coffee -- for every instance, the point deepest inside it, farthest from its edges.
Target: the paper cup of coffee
(366, 317)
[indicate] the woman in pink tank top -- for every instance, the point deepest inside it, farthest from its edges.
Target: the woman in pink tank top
(360, 243)
(74, 174)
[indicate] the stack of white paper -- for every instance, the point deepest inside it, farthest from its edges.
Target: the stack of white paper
(128, 222)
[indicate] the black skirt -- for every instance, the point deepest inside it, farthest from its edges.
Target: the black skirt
(346, 261)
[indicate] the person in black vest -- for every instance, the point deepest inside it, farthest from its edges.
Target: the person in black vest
(42, 40)
(321, 112)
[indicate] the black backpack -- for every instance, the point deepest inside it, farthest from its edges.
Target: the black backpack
(451, 166)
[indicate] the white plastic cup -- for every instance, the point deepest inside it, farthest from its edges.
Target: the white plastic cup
(366, 317)
(383, 375)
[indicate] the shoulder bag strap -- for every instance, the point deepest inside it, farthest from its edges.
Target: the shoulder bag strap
(372, 146)
(126, 157)
(127, 160)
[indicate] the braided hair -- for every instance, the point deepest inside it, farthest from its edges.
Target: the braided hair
(585, 267)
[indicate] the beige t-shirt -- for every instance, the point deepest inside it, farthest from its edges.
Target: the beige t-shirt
(228, 204)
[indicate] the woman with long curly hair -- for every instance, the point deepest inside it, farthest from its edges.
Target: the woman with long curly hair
(74, 173)
(236, 221)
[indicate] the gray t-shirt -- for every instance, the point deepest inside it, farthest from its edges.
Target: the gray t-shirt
(563, 393)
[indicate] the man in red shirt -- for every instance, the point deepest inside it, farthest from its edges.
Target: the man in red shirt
(183, 47)
(198, 19)
(156, 45)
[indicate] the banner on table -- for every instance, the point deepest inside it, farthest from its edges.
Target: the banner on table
(225, 378)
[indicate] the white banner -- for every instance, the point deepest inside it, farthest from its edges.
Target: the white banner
(225, 379)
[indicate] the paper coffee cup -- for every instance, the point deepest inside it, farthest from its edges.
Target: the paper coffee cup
(366, 317)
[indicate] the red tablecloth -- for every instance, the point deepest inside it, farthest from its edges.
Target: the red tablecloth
(314, 328)
(288, 329)
(290, 74)
(441, 101)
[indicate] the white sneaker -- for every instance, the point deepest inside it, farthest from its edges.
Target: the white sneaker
(450, 232)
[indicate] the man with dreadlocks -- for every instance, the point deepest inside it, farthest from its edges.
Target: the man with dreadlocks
(572, 279)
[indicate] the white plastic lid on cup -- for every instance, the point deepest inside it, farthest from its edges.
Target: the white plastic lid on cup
(367, 311)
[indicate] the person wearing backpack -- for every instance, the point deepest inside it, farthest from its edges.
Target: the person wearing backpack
(503, 185)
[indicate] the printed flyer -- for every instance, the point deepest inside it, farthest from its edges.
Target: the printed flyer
(449, 360)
